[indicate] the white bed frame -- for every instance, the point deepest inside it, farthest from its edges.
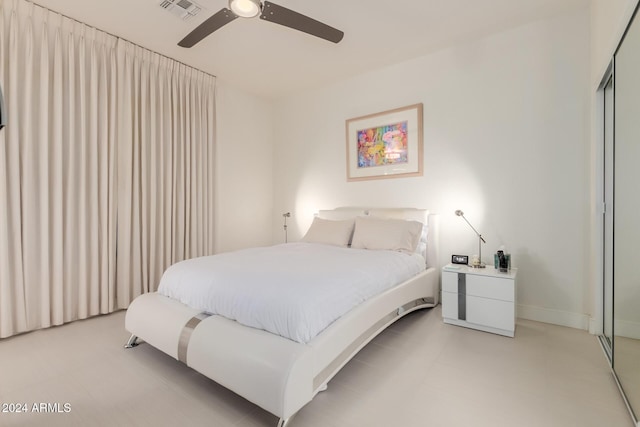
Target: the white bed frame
(275, 373)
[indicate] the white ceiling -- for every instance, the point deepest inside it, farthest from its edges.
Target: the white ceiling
(270, 60)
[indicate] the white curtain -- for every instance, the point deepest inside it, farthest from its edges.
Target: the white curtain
(106, 168)
(165, 167)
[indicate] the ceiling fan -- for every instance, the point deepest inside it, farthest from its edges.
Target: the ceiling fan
(269, 12)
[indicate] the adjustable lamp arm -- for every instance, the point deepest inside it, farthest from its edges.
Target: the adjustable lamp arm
(460, 213)
(480, 241)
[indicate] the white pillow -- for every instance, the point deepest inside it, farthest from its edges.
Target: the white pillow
(420, 215)
(329, 232)
(341, 214)
(389, 234)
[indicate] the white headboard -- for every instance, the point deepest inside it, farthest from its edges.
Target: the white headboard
(414, 214)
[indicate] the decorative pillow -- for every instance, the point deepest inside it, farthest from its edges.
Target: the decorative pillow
(420, 215)
(329, 232)
(389, 234)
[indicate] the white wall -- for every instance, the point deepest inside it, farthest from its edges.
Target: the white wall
(244, 170)
(506, 131)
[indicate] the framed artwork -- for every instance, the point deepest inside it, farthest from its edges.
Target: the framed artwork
(385, 145)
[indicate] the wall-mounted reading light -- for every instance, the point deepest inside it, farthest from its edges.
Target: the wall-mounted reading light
(285, 216)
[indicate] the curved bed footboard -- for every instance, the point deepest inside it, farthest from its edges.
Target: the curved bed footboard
(275, 373)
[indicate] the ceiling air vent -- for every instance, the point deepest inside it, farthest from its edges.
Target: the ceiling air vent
(185, 9)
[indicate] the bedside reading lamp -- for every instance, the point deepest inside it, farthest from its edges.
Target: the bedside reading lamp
(480, 241)
(285, 216)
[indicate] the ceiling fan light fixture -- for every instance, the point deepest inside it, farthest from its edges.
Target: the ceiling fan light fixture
(245, 8)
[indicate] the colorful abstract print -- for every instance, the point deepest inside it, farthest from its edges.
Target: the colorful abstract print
(383, 145)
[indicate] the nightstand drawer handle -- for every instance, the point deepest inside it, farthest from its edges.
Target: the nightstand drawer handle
(462, 296)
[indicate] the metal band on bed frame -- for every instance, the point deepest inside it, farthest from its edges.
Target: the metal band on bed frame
(185, 335)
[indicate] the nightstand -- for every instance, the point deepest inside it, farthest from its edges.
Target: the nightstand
(479, 298)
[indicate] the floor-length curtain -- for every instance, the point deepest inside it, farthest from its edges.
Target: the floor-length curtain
(106, 168)
(165, 167)
(56, 256)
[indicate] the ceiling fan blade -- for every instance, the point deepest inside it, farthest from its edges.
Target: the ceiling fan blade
(281, 15)
(215, 22)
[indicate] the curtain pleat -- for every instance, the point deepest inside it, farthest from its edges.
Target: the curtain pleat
(30, 161)
(110, 133)
(14, 300)
(71, 161)
(106, 169)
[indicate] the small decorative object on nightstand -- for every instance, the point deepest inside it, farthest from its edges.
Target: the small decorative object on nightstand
(483, 299)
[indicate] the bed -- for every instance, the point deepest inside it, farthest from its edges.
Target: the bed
(264, 359)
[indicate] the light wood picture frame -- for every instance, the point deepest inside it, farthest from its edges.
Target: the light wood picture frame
(385, 145)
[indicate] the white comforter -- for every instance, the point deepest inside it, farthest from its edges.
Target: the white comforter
(294, 290)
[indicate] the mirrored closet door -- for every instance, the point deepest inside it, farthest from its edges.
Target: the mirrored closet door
(626, 218)
(607, 212)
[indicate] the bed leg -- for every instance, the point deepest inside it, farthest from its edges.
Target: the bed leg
(133, 341)
(285, 422)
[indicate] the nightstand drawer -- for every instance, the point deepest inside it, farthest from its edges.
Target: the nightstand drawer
(490, 287)
(450, 305)
(450, 281)
(491, 313)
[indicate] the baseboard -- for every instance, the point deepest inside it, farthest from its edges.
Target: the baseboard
(626, 328)
(623, 328)
(595, 326)
(555, 317)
